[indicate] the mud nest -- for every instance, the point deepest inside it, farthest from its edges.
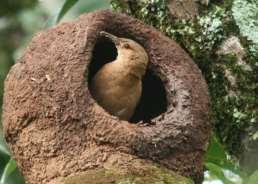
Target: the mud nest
(55, 128)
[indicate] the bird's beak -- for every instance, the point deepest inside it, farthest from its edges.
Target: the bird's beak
(111, 37)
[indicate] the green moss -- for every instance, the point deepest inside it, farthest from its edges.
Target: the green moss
(153, 12)
(150, 175)
(234, 106)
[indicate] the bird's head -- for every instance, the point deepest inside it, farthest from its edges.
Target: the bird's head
(129, 52)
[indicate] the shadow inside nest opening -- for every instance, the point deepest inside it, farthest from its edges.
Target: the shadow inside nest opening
(153, 101)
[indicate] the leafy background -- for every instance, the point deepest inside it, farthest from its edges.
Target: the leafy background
(19, 20)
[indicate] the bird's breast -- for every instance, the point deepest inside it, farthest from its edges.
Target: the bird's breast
(117, 91)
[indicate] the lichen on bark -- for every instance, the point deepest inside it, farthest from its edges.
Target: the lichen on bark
(234, 104)
(246, 16)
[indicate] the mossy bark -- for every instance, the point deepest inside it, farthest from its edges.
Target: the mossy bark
(204, 30)
(102, 176)
(125, 169)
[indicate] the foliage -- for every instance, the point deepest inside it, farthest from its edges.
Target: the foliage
(67, 5)
(253, 179)
(9, 7)
(9, 173)
(217, 161)
(221, 166)
(82, 6)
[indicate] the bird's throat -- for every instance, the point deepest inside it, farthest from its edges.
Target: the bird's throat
(135, 69)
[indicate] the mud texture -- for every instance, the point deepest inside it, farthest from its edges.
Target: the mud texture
(54, 127)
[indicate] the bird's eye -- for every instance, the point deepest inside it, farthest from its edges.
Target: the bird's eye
(126, 46)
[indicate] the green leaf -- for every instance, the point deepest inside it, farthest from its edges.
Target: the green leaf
(253, 179)
(11, 174)
(66, 6)
(9, 168)
(217, 155)
(255, 136)
(3, 161)
(88, 6)
(4, 154)
(3, 146)
(217, 171)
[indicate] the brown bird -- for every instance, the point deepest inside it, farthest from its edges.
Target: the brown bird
(117, 86)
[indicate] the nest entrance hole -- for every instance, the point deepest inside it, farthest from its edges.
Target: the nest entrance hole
(153, 101)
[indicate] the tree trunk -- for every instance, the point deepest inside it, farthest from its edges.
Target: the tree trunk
(126, 169)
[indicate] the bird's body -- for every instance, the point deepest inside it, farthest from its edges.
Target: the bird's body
(117, 86)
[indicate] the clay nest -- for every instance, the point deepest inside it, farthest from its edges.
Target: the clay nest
(55, 128)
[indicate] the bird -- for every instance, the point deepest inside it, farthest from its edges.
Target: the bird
(117, 86)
